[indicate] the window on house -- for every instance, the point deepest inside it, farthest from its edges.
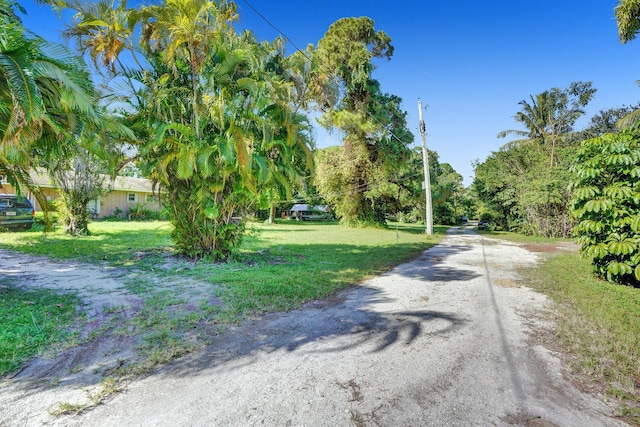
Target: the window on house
(132, 197)
(150, 198)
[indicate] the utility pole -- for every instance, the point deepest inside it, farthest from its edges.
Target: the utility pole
(427, 180)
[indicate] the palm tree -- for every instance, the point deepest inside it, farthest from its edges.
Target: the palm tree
(188, 31)
(536, 116)
(45, 92)
(104, 30)
(213, 113)
(550, 115)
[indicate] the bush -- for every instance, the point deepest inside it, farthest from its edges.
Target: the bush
(606, 203)
(115, 216)
(140, 212)
(54, 217)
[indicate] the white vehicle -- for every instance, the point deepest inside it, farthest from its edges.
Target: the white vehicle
(304, 212)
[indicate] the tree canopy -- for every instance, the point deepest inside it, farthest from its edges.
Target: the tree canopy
(214, 115)
(359, 177)
(46, 99)
(213, 110)
(523, 186)
(628, 18)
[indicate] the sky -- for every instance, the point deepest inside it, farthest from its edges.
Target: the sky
(469, 61)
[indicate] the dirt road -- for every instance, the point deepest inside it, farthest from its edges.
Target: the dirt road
(444, 340)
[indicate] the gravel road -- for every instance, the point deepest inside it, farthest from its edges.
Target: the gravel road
(445, 340)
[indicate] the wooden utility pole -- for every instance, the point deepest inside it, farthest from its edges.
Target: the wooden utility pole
(427, 180)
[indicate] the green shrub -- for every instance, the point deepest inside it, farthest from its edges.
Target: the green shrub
(139, 212)
(115, 216)
(606, 204)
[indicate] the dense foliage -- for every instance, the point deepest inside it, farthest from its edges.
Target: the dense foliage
(628, 18)
(360, 178)
(213, 116)
(45, 96)
(213, 111)
(606, 203)
(523, 186)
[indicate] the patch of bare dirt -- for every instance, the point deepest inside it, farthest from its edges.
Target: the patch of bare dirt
(551, 247)
(506, 282)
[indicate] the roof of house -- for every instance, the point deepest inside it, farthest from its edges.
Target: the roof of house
(120, 183)
(129, 183)
(305, 207)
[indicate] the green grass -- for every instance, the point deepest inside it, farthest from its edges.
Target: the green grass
(284, 265)
(118, 243)
(598, 327)
(32, 320)
(277, 268)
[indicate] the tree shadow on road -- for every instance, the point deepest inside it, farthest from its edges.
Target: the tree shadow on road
(342, 323)
(431, 266)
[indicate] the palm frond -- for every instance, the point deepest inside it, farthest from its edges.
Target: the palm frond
(15, 67)
(628, 120)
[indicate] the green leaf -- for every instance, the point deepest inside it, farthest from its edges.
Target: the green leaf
(583, 193)
(619, 159)
(591, 226)
(618, 192)
(212, 212)
(596, 251)
(598, 205)
(617, 268)
(186, 163)
(624, 247)
(589, 173)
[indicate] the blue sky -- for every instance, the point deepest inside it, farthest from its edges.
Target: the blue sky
(470, 62)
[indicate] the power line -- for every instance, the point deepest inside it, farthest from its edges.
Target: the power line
(264, 18)
(280, 32)
(360, 189)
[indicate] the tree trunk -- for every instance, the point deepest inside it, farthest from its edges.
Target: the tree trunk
(77, 222)
(272, 214)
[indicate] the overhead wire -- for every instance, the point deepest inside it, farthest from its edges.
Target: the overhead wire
(362, 187)
(287, 39)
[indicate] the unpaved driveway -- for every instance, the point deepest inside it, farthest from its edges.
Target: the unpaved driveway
(443, 340)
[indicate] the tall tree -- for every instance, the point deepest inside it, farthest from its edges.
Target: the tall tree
(45, 93)
(371, 122)
(519, 191)
(188, 31)
(213, 112)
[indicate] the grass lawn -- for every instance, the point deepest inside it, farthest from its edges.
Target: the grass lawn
(278, 268)
(31, 322)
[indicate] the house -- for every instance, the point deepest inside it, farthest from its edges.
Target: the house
(124, 193)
